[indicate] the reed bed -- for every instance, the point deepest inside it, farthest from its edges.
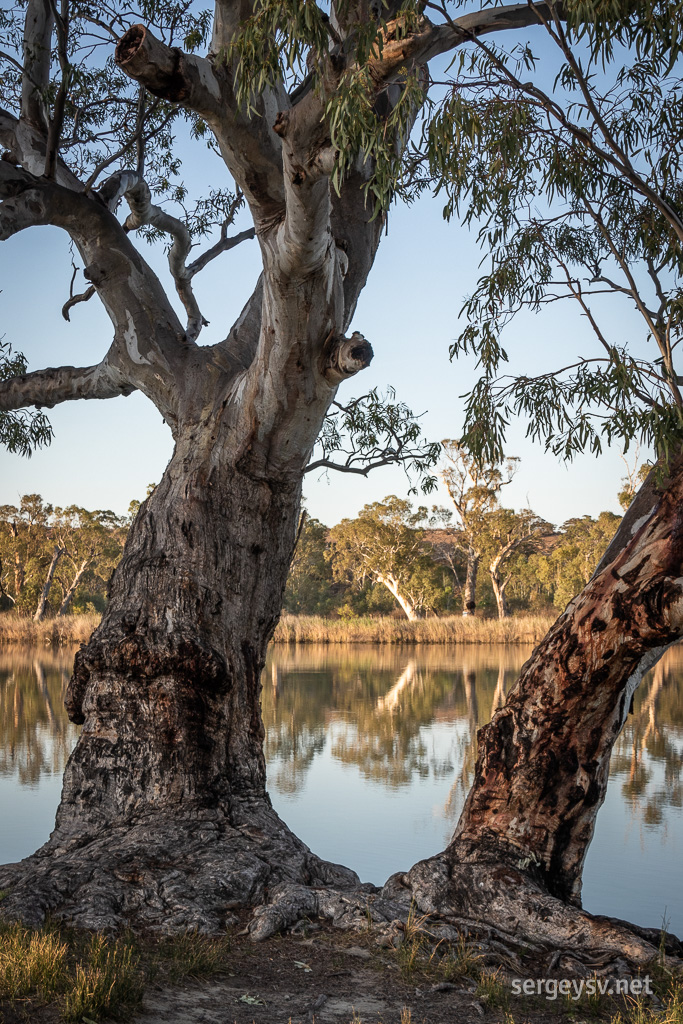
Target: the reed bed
(313, 629)
(56, 632)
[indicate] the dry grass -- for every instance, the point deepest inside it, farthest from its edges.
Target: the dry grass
(94, 977)
(57, 632)
(311, 629)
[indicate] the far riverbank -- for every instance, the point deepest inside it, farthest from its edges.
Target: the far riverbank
(313, 629)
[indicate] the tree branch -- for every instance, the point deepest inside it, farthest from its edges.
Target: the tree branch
(223, 245)
(38, 26)
(248, 145)
(75, 299)
(343, 357)
(52, 386)
(134, 189)
(61, 20)
(26, 146)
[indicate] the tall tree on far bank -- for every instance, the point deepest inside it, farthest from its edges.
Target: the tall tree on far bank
(385, 544)
(474, 489)
(502, 534)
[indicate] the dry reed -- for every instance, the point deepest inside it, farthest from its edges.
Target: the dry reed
(312, 629)
(55, 632)
(307, 629)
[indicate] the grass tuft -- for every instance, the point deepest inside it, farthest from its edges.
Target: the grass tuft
(108, 984)
(191, 956)
(93, 977)
(32, 963)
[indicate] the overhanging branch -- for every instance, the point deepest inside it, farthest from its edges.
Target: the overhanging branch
(54, 385)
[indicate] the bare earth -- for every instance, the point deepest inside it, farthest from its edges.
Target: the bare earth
(329, 978)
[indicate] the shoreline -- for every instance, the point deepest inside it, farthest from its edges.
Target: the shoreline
(311, 629)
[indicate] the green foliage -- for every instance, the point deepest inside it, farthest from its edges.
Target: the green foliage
(90, 542)
(310, 586)
(385, 545)
(575, 192)
(292, 41)
(23, 431)
(373, 431)
(569, 566)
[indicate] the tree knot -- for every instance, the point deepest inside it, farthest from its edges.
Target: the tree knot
(343, 357)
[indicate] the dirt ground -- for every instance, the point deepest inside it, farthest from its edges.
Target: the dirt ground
(334, 978)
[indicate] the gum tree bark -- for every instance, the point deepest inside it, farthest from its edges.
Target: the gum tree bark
(543, 761)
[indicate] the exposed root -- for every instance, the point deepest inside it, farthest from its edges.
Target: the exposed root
(169, 875)
(164, 873)
(460, 886)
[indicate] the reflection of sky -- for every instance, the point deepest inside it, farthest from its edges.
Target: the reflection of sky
(28, 815)
(633, 869)
(346, 817)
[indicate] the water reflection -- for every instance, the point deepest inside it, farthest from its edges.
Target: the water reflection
(377, 707)
(370, 755)
(36, 736)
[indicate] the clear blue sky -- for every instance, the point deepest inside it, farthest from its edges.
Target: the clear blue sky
(105, 453)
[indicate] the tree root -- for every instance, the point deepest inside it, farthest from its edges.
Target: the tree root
(164, 873)
(497, 906)
(167, 874)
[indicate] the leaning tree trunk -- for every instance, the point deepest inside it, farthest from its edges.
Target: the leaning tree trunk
(69, 595)
(469, 596)
(517, 854)
(406, 604)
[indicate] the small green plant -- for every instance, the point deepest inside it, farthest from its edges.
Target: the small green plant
(491, 989)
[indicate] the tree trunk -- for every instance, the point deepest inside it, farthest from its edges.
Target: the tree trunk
(168, 775)
(469, 596)
(68, 597)
(404, 601)
(499, 587)
(45, 593)
(19, 575)
(543, 761)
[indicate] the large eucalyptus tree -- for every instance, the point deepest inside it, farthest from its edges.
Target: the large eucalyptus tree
(165, 820)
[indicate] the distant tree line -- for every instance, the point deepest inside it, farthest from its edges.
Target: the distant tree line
(474, 557)
(57, 560)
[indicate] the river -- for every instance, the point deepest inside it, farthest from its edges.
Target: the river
(370, 753)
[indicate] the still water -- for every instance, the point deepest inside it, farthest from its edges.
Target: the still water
(370, 753)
